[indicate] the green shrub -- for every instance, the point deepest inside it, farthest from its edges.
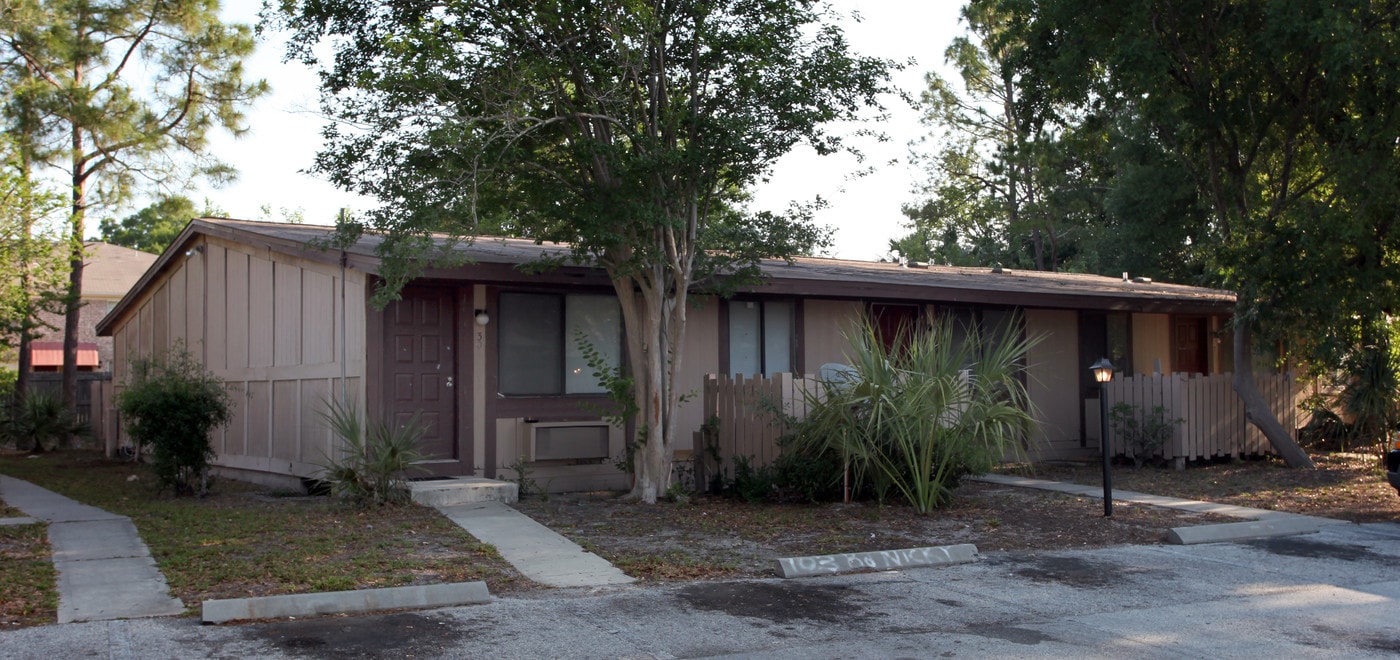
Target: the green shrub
(751, 484)
(41, 421)
(8, 377)
(809, 478)
(1144, 434)
(916, 419)
(170, 405)
(373, 461)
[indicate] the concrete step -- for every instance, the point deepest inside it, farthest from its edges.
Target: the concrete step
(462, 490)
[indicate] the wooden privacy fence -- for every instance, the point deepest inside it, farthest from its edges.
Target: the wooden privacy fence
(742, 417)
(94, 404)
(1212, 416)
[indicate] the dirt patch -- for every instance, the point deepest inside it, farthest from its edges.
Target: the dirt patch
(715, 537)
(1347, 486)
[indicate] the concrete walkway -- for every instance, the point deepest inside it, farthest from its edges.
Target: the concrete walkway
(536, 551)
(1256, 523)
(104, 570)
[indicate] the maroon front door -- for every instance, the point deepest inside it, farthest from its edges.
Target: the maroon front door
(1191, 342)
(894, 323)
(421, 368)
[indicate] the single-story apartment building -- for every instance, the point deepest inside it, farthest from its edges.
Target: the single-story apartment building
(489, 354)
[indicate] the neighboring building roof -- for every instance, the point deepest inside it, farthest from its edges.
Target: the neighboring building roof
(494, 259)
(111, 270)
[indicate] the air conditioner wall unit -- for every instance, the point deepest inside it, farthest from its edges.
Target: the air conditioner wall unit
(564, 441)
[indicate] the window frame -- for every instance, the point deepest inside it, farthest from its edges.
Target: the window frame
(562, 298)
(793, 336)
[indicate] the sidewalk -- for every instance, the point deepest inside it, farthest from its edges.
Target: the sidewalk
(538, 552)
(1257, 523)
(104, 570)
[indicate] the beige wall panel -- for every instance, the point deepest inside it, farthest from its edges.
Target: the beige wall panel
(826, 324)
(178, 332)
(701, 357)
(1053, 382)
(286, 419)
(259, 418)
(286, 314)
(261, 316)
(132, 331)
(160, 319)
(216, 340)
(355, 301)
(146, 336)
(119, 354)
(237, 310)
(194, 306)
(271, 472)
(235, 435)
(507, 441)
(320, 335)
(315, 435)
(1151, 342)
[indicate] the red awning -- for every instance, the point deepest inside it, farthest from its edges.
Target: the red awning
(50, 354)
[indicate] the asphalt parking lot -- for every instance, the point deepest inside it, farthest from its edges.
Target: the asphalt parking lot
(1335, 593)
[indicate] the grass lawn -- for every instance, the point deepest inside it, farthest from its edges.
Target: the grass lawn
(27, 593)
(245, 540)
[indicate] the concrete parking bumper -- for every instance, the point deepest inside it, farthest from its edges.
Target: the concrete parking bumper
(346, 602)
(878, 560)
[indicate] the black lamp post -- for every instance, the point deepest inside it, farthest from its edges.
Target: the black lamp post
(1103, 372)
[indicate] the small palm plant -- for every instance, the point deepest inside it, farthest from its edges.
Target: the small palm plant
(374, 459)
(916, 418)
(39, 421)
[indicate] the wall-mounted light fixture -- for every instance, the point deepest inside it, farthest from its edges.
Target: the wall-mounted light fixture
(482, 318)
(196, 249)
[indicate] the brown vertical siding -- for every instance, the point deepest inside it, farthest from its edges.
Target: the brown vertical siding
(177, 293)
(286, 419)
(286, 314)
(216, 337)
(194, 306)
(160, 319)
(261, 315)
(259, 419)
(238, 311)
(318, 320)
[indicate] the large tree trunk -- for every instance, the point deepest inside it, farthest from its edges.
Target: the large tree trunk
(1255, 409)
(651, 468)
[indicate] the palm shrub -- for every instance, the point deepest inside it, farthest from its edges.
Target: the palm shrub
(373, 459)
(171, 403)
(1370, 394)
(915, 419)
(39, 421)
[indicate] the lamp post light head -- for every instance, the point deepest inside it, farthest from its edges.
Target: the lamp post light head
(1103, 370)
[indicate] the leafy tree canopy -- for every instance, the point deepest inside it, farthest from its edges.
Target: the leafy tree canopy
(624, 128)
(1282, 114)
(153, 228)
(117, 93)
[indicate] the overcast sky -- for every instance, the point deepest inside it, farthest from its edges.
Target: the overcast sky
(285, 135)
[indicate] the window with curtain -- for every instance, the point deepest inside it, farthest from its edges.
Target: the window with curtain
(542, 338)
(760, 337)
